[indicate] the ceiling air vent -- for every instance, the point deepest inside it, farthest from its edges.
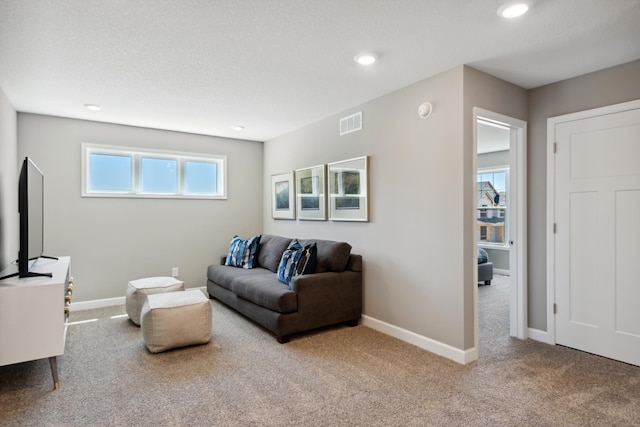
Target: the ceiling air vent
(351, 123)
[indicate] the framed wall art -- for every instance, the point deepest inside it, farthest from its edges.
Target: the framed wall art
(283, 196)
(310, 193)
(349, 190)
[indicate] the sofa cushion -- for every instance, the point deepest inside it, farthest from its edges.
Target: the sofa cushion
(266, 291)
(297, 260)
(243, 253)
(332, 256)
(223, 275)
(271, 250)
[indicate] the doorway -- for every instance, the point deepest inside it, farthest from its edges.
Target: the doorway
(515, 131)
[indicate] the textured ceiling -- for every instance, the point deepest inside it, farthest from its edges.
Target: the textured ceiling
(277, 65)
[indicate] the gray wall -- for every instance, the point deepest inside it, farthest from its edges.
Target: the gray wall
(605, 87)
(418, 258)
(499, 258)
(494, 159)
(114, 240)
(487, 92)
(9, 232)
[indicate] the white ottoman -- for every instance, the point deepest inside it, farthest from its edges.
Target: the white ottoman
(175, 319)
(138, 290)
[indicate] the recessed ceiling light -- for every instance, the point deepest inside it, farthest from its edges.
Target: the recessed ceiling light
(237, 128)
(365, 59)
(92, 107)
(513, 9)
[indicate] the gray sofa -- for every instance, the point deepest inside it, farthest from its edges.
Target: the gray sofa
(485, 267)
(330, 295)
(485, 273)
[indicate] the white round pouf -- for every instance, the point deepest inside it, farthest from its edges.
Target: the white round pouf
(138, 290)
(175, 319)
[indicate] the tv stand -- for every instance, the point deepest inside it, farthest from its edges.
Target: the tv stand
(30, 273)
(33, 314)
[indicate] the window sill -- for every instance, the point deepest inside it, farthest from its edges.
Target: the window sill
(493, 247)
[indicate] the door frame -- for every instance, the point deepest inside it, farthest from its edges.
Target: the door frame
(517, 218)
(552, 122)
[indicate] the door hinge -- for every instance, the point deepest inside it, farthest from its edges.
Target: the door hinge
(555, 228)
(555, 308)
(555, 147)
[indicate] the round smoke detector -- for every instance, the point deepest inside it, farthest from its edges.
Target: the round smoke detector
(424, 110)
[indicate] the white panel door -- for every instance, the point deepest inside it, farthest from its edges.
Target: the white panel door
(597, 240)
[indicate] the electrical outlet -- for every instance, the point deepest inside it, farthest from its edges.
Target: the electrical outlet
(175, 272)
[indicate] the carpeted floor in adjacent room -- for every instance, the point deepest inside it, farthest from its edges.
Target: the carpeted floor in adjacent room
(338, 376)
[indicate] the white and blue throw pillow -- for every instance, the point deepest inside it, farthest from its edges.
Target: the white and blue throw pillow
(482, 256)
(297, 260)
(243, 253)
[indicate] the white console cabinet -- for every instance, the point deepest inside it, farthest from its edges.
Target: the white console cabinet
(34, 313)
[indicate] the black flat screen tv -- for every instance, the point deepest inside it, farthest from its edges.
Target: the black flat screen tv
(31, 208)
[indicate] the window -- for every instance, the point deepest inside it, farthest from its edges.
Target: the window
(122, 172)
(110, 172)
(201, 177)
(158, 176)
(483, 232)
(491, 186)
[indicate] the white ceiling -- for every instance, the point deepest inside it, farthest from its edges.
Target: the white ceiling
(276, 65)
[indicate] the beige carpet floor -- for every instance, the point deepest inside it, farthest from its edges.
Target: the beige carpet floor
(338, 376)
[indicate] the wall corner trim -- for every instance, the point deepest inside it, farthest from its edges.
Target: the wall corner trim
(98, 303)
(461, 356)
(538, 335)
(106, 302)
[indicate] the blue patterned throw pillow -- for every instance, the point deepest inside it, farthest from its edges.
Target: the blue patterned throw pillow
(297, 260)
(243, 253)
(482, 256)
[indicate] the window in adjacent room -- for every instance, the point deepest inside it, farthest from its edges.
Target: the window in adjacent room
(483, 232)
(123, 172)
(491, 185)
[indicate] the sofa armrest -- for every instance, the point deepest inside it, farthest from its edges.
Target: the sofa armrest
(337, 295)
(354, 263)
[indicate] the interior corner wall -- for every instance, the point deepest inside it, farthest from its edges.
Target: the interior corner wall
(490, 93)
(114, 240)
(412, 246)
(494, 159)
(601, 88)
(9, 222)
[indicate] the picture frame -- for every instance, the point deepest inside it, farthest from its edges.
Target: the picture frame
(311, 194)
(283, 196)
(348, 182)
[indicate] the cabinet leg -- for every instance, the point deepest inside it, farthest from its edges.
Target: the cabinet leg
(54, 372)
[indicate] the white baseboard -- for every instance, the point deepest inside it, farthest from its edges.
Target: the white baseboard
(107, 302)
(501, 271)
(441, 349)
(97, 303)
(538, 335)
